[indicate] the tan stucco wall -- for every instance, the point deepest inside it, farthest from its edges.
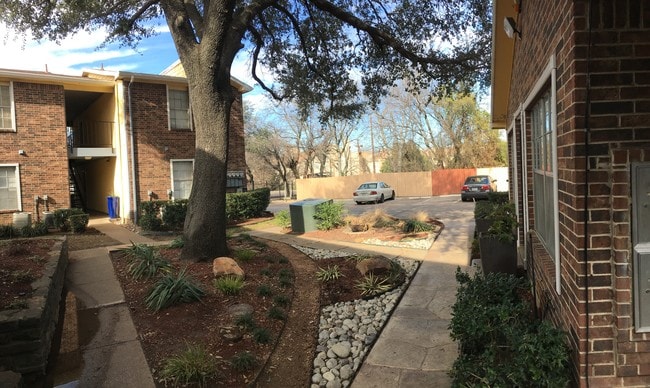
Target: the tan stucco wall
(406, 184)
(99, 180)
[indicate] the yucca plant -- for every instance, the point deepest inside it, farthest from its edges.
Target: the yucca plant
(332, 272)
(230, 284)
(173, 289)
(193, 365)
(372, 285)
(146, 262)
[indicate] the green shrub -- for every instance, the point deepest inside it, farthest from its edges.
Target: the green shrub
(229, 285)
(282, 300)
(283, 219)
(173, 289)
(498, 196)
(244, 255)
(483, 209)
(243, 362)
(329, 215)
(194, 365)
(241, 206)
(150, 221)
(35, 230)
(78, 222)
(277, 313)
(173, 213)
(262, 335)
(61, 218)
(500, 342)
(245, 321)
(415, 226)
(7, 231)
(264, 290)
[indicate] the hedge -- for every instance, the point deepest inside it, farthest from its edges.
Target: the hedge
(170, 215)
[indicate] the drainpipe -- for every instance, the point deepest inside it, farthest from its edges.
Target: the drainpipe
(133, 188)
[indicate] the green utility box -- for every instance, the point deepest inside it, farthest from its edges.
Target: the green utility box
(302, 214)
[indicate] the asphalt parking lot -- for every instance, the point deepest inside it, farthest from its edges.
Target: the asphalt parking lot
(447, 208)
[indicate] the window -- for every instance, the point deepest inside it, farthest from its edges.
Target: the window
(9, 187)
(179, 109)
(6, 107)
(544, 170)
(235, 179)
(182, 171)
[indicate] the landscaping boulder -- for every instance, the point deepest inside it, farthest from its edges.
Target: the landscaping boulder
(376, 265)
(222, 266)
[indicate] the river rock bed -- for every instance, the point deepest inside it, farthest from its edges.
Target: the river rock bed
(348, 330)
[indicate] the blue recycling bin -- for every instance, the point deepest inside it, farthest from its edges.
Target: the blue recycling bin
(112, 206)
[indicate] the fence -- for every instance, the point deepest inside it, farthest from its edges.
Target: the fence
(405, 184)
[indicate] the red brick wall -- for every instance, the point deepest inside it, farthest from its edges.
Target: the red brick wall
(40, 132)
(156, 144)
(619, 134)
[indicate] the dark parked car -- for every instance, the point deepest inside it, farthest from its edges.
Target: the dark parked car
(477, 187)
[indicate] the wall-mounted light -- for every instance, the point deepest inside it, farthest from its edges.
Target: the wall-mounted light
(21, 152)
(510, 27)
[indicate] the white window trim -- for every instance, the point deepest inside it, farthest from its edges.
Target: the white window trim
(12, 106)
(171, 172)
(18, 192)
(549, 73)
(169, 116)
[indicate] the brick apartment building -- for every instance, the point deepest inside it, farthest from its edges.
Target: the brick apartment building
(74, 141)
(571, 85)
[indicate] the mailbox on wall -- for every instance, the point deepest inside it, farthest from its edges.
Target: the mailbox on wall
(641, 243)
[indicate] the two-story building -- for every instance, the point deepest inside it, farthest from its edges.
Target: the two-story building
(571, 85)
(74, 141)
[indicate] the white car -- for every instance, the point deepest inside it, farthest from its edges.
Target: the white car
(375, 192)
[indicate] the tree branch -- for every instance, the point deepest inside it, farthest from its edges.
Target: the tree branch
(378, 36)
(258, 47)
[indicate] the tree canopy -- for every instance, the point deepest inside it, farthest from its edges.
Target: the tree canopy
(324, 53)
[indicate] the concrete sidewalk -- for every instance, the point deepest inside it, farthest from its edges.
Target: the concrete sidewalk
(112, 355)
(413, 350)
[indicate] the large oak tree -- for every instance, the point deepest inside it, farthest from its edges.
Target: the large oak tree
(320, 52)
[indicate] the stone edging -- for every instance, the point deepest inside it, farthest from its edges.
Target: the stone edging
(26, 335)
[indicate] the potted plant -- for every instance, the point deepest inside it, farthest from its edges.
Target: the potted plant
(482, 215)
(497, 244)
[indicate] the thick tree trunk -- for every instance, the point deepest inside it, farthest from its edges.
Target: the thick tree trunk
(205, 224)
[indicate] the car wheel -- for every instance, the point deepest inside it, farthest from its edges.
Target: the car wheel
(381, 199)
(358, 203)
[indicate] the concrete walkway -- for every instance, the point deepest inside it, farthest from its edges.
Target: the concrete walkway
(112, 355)
(413, 350)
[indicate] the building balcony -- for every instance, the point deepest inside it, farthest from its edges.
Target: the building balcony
(90, 139)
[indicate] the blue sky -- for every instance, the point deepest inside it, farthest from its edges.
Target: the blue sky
(79, 52)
